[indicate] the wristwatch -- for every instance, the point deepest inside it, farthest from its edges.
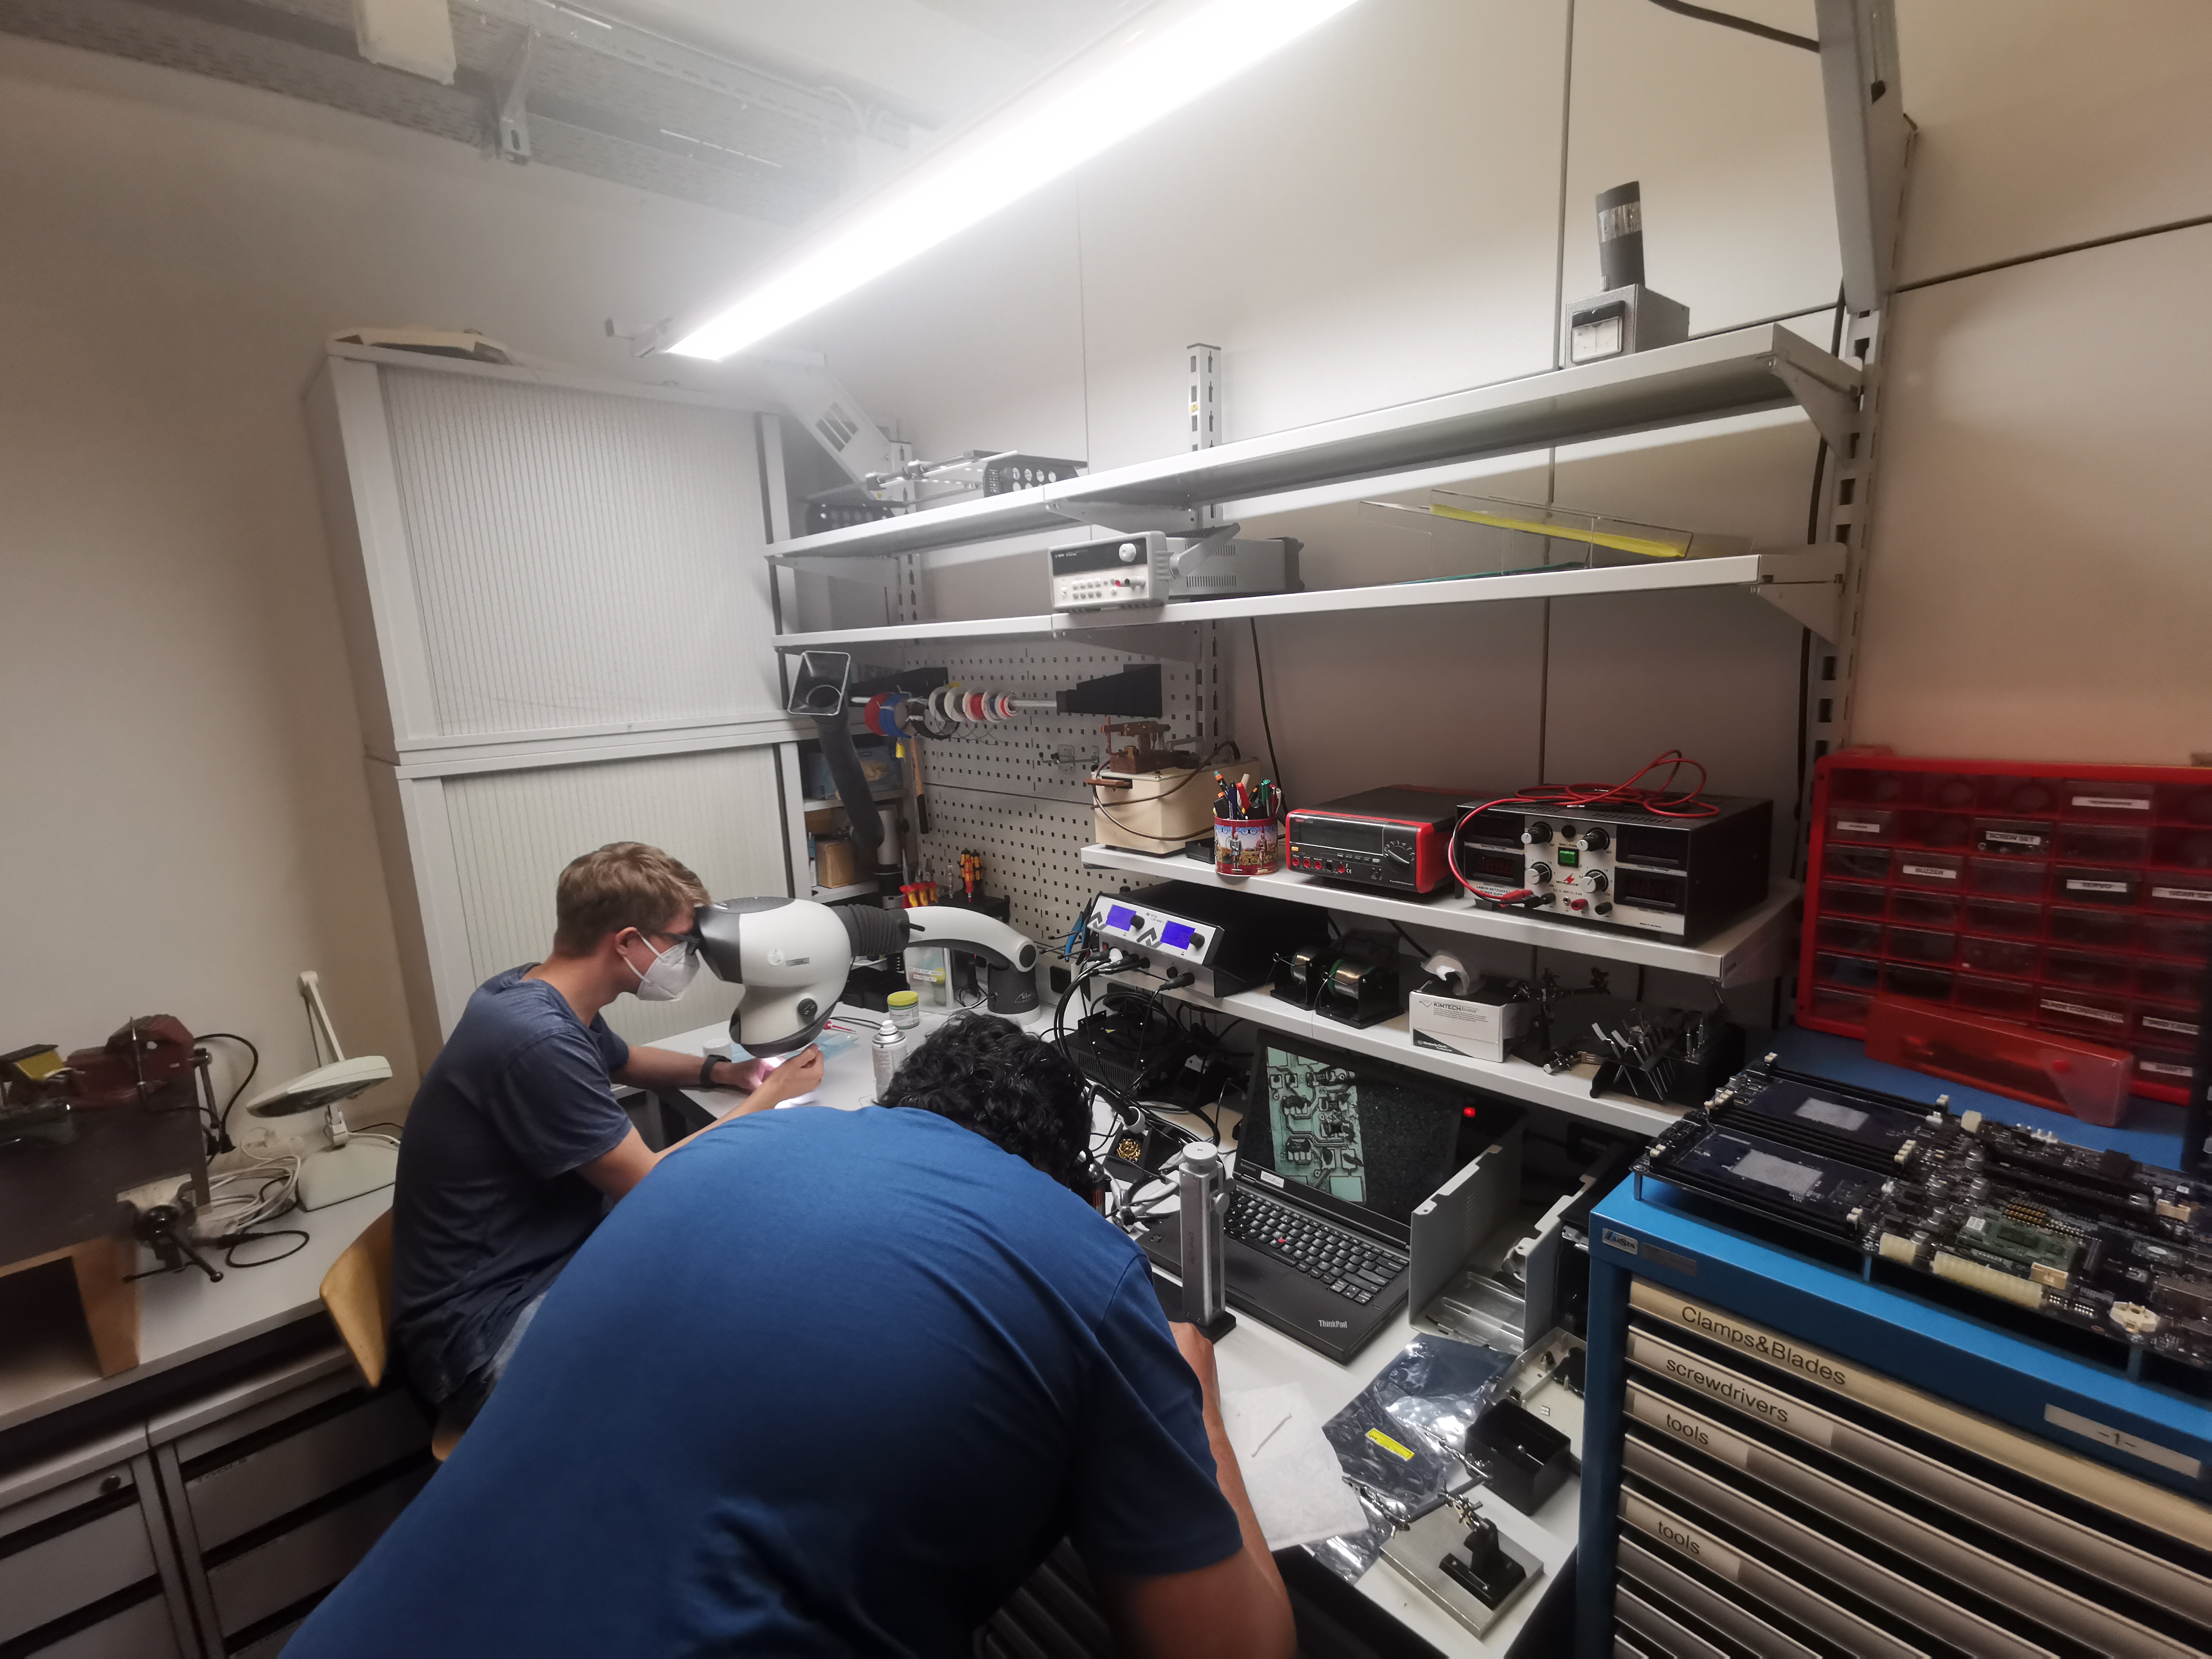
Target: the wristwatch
(707, 1071)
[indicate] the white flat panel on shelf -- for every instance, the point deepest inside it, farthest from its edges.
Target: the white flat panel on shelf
(1751, 947)
(570, 554)
(1815, 567)
(514, 832)
(1562, 1091)
(1728, 374)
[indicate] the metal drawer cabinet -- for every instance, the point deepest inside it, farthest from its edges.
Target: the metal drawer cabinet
(277, 1488)
(87, 1566)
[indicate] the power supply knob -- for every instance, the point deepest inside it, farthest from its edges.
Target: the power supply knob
(1596, 881)
(1594, 840)
(1128, 552)
(1540, 873)
(1536, 835)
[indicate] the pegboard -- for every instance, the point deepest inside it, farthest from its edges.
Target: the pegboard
(999, 790)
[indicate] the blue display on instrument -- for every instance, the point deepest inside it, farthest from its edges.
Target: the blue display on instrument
(1176, 935)
(1120, 918)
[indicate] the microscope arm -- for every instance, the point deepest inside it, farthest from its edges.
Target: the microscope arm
(972, 931)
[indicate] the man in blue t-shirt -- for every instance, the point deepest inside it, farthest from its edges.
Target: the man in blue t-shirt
(515, 1144)
(834, 1383)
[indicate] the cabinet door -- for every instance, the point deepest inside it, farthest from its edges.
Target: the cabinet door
(80, 1568)
(558, 613)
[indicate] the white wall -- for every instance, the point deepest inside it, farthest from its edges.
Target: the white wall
(186, 823)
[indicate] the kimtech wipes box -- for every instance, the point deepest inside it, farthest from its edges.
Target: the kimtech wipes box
(1477, 1023)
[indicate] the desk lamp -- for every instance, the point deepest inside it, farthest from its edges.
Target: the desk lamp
(346, 1167)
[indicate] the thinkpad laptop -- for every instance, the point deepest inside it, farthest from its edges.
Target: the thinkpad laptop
(1334, 1152)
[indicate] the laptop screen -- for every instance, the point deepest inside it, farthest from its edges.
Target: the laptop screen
(1361, 1139)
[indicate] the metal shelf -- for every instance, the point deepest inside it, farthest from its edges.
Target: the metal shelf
(1562, 1091)
(1807, 585)
(1754, 947)
(1738, 373)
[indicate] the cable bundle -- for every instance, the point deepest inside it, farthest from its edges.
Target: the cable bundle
(1661, 802)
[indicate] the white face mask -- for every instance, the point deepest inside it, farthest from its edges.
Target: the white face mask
(669, 977)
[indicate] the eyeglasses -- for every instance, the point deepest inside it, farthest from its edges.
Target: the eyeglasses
(689, 939)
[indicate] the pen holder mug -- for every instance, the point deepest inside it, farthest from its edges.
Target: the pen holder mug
(1247, 847)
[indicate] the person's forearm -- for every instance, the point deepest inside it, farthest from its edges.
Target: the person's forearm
(1231, 1479)
(664, 1068)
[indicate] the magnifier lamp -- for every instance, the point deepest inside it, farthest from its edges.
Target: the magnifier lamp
(347, 1168)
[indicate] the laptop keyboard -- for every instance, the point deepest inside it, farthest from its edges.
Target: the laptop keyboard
(1343, 1261)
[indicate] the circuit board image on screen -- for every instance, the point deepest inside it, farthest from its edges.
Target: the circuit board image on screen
(1313, 1109)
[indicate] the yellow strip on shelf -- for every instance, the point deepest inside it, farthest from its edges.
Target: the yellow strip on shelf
(1596, 538)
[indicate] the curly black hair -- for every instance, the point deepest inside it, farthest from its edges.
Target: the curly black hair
(989, 1075)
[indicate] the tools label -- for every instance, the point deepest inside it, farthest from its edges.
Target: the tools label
(2076, 885)
(1932, 871)
(1679, 1536)
(2112, 803)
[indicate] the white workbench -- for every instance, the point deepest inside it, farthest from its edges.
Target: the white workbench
(1252, 1356)
(46, 1357)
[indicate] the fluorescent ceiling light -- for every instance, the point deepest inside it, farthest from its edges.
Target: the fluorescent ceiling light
(1174, 53)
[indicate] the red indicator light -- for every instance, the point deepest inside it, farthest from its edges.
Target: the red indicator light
(1467, 1111)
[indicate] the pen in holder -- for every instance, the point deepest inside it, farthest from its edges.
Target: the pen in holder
(1248, 828)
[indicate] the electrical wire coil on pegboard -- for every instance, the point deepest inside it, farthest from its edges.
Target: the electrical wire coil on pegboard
(946, 711)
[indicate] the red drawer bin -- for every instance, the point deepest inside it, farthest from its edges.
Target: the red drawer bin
(2095, 930)
(2083, 883)
(1844, 898)
(2092, 1014)
(2088, 970)
(1944, 830)
(2018, 878)
(1856, 863)
(2015, 957)
(2005, 998)
(2184, 936)
(1916, 908)
(2109, 799)
(1849, 933)
(2070, 897)
(1946, 871)
(1920, 944)
(2186, 895)
(2014, 838)
(1905, 979)
(1862, 824)
(2168, 982)
(2155, 1023)
(2007, 917)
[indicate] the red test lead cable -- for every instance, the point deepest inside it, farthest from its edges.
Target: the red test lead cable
(1661, 802)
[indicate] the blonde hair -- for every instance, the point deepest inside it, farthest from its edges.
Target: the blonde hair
(624, 883)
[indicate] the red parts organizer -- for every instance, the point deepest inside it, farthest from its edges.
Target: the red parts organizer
(2071, 899)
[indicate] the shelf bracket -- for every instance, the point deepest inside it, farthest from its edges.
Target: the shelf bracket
(1869, 135)
(1834, 413)
(1127, 518)
(1181, 642)
(1817, 605)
